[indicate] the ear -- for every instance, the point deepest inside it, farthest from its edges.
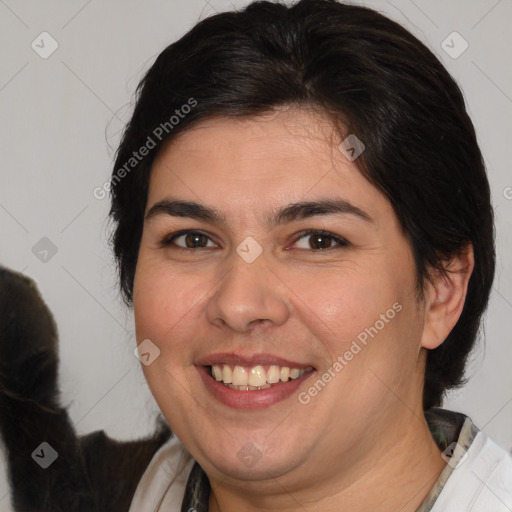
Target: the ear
(445, 297)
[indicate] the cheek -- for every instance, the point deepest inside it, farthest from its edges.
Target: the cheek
(163, 310)
(149, 304)
(161, 302)
(346, 301)
(369, 319)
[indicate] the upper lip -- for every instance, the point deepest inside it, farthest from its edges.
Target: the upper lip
(234, 359)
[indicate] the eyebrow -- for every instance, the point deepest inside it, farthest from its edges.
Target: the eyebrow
(285, 214)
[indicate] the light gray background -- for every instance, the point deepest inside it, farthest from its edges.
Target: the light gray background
(61, 119)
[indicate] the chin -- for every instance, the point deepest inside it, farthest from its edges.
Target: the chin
(247, 460)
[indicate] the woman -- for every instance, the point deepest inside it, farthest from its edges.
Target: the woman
(303, 227)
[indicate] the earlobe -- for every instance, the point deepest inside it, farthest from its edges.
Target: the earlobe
(444, 300)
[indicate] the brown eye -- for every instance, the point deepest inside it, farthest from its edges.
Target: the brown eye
(186, 240)
(194, 240)
(320, 240)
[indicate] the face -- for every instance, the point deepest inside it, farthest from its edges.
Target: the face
(254, 286)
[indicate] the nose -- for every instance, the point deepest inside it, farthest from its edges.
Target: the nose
(249, 293)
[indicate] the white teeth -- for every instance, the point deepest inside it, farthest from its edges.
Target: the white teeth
(257, 376)
(294, 373)
(240, 377)
(217, 373)
(273, 374)
(248, 388)
(254, 378)
(227, 374)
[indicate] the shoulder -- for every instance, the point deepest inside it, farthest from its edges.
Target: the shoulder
(481, 481)
(164, 480)
(103, 457)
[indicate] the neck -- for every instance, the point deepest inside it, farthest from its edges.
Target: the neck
(395, 475)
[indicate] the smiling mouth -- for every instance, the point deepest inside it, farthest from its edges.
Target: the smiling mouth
(255, 378)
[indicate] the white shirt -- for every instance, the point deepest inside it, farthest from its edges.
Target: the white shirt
(480, 482)
(162, 485)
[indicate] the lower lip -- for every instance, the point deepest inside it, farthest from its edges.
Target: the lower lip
(256, 399)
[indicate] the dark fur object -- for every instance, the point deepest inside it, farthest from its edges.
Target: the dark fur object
(91, 473)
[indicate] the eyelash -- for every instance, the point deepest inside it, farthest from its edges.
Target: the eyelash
(167, 240)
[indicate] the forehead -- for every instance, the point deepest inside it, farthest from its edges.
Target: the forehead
(250, 163)
(279, 135)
